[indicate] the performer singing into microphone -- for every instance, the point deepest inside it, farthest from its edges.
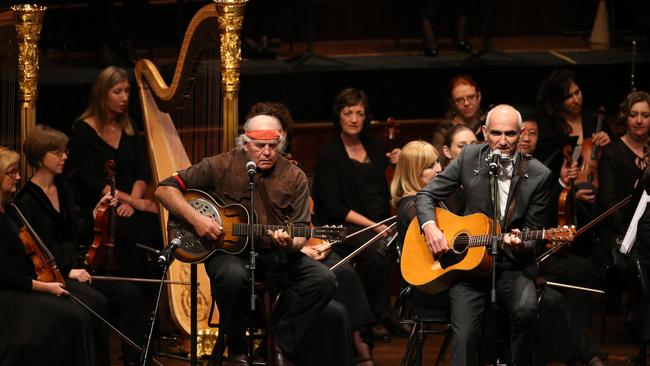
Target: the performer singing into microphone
(281, 195)
(523, 188)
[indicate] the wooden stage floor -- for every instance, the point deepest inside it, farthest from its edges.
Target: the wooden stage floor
(618, 345)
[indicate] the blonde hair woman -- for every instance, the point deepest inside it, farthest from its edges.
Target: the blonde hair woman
(418, 164)
(104, 132)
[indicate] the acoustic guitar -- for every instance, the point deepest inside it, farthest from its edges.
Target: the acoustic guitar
(469, 238)
(234, 220)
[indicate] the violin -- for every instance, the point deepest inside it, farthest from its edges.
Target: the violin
(566, 200)
(588, 169)
(42, 259)
(100, 254)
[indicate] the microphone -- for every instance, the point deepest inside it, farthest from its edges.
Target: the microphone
(494, 162)
(250, 167)
(167, 252)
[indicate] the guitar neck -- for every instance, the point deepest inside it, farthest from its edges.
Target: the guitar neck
(485, 240)
(243, 229)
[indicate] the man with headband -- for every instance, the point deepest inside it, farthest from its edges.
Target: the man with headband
(281, 195)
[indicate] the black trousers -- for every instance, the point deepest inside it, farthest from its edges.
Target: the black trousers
(516, 293)
(312, 282)
(559, 336)
(576, 270)
(126, 311)
(375, 262)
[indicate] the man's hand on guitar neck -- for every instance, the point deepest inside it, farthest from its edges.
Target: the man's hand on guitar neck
(512, 239)
(436, 240)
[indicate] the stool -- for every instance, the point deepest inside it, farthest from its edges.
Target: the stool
(424, 321)
(264, 290)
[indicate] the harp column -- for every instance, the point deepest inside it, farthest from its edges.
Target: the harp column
(29, 21)
(231, 17)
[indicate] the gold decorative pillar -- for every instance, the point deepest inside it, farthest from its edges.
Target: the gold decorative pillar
(29, 21)
(231, 17)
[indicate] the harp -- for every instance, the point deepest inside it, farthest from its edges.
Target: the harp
(214, 29)
(20, 30)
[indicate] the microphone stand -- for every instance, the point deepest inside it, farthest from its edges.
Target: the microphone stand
(252, 258)
(165, 260)
(494, 247)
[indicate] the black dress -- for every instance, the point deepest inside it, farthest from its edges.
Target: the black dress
(60, 231)
(341, 185)
(42, 329)
(617, 176)
(85, 172)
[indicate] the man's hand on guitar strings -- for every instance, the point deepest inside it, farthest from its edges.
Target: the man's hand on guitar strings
(207, 226)
(436, 241)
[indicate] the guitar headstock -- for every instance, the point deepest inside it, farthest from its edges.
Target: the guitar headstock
(330, 233)
(565, 233)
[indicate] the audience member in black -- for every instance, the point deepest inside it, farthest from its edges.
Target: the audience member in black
(47, 202)
(104, 132)
(40, 324)
(350, 188)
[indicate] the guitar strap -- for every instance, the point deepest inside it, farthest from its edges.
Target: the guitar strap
(521, 173)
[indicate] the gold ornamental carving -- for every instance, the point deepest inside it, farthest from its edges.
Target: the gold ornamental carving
(29, 21)
(231, 17)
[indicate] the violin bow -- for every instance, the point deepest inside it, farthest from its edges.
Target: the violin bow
(593, 222)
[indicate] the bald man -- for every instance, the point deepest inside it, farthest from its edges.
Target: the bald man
(524, 185)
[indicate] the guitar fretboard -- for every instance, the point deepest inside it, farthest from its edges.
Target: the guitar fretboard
(243, 229)
(485, 240)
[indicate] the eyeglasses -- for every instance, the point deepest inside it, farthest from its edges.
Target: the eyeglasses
(59, 153)
(468, 99)
(14, 173)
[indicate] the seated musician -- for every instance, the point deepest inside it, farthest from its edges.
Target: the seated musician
(563, 121)
(523, 189)
(349, 291)
(564, 314)
(103, 132)
(40, 324)
(350, 189)
(281, 194)
(47, 202)
(464, 108)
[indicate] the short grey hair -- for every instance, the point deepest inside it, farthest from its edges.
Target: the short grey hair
(520, 122)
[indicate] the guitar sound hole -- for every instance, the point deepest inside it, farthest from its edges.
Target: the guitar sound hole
(461, 242)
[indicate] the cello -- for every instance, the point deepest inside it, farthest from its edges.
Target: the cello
(100, 254)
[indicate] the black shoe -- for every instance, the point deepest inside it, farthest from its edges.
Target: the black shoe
(380, 333)
(464, 46)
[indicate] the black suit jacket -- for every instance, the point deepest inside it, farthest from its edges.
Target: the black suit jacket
(470, 171)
